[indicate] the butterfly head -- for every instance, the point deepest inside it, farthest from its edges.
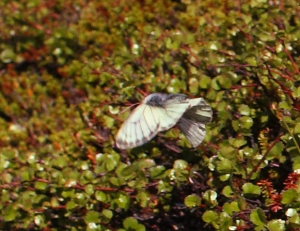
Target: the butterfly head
(155, 99)
(161, 99)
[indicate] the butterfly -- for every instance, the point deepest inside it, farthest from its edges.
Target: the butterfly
(159, 112)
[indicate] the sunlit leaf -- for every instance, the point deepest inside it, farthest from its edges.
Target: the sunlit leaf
(192, 200)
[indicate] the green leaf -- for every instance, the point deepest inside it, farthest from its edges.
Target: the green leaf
(4, 163)
(224, 81)
(192, 200)
(180, 164)
(109, 122)
(224, 166)
(251, 60)
(157, 171)
(249, 188)
(231, 207)
(211, 197)
(129, 171)
(289, 196)
(227, 191)
(276, 225)
(54, 202)
(294, 217)
(10, 213)
(107, 213)
(237, 142)
(258, 217)
(246, 122)
(41, 185)
(164, 187)
(111, 161)
(146, 163)
(61, 161)
(215, 84)
(143, 198)
(193, 85)
(89, 189)
(101, 196)
(276, 151)
(226, 150)
(39, 220)
(71, 205)
(297, 92)
(204, 81)
(92, 217)
(7, 56)
(130, 223)
(210, 216)
(244, 110)
(297, 127)
(225, 177)
(123, 201)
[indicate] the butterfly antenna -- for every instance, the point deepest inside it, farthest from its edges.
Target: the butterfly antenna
(142, 92)
(132, 105)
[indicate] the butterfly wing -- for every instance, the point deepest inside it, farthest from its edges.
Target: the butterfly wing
(199, 111)
(159, 112)
(167, 108)
(192, 123)
(139, 128)
(169, 115)
(194, 131)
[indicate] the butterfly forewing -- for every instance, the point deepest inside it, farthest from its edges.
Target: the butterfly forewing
(171, 114)
(131, 137)
(137, 129)
(150, 119)
(146, 132)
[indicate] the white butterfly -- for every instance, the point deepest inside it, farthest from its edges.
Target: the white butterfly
(159, 112)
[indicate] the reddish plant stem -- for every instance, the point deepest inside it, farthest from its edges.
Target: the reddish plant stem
(255, 169)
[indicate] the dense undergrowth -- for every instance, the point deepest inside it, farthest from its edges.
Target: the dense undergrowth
(68, 69)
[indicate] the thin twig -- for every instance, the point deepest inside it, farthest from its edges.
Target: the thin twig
(264, 156)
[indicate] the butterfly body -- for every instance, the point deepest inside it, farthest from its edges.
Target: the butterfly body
(155, 100)
(160, 99)
(159, 112)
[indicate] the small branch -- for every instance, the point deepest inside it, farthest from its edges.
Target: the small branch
(255, 169)
(295, 65)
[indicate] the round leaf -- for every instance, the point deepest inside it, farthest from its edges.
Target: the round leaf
(192, 200)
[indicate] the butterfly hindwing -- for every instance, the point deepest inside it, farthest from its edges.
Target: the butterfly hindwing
(192, 123)
(199, 111)
(194, 131)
